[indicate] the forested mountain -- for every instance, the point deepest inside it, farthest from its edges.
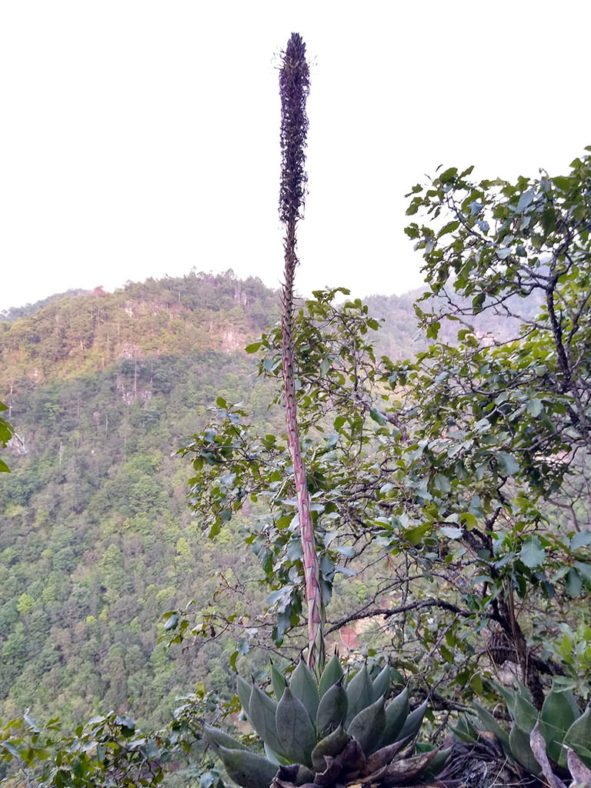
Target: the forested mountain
(96, 540)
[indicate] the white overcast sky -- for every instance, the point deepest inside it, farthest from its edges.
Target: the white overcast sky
(140, 138)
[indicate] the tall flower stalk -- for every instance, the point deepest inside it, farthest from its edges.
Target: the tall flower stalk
(294, 86)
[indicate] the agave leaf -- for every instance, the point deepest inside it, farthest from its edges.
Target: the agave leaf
(219, 738)
(508, 695)
(381, 683)
(261, 714)
(329, 746)
(384, 755)
(330, 675)
(438, 762)
(367, 726)
(295, 731)
(278, 681)
(247, 768)
(352, 761)
(396, 714)
(407, 770)
(578, 736)
(538, 747)
(559, 712)
(526, 715)
(359, 693)
(520, 749)
(464, 730)
(413, 722)
(490, 724)
(524, 691)
(243, 690)
(332, 709)
(580, 773)
(303, 686)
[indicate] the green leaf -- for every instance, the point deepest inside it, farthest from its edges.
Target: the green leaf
(580, 539)
(520, 749)
(574, 583)
(532, 553)
(415, 535)
(506, 463)
(381, 683)
(330, 675)
(367, 726)
(246, 768)
(558, 714)
(278, 681)
(261, 713)
(535, 407)
(450, 227)
(243, 690)
(303, 685)
(295, 731)
(489, 723)
(442, 483)
(448, 175)
(451, 531)
(396, 714)
(413, 722)
(359, 693)
(253, 347)
(578, 736)
(332, 709)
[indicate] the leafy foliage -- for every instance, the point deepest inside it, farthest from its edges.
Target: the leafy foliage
(454, 464)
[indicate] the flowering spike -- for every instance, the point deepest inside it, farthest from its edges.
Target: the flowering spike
(294, 86)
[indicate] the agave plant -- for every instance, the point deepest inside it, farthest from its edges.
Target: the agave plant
(328, 732)
(550, 741)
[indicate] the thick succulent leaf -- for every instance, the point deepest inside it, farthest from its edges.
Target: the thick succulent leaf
(508, 695)
(278, 681)
(381, 683)
(396, 714)
(384, 755)
(330, 675)
(261, 714)
(330, 746)
(559, 712)
(332, 709)
(352, 761)
(413, 722)
(538, 747)
(295, 731)
(407, 770)
(368, 726)
(303, 686)
(243, 690)
(524, 691)
(580, 773)
(464, 730)
(359, 693)
(578, 736)
(490, 724)
(247, 768)
(521, 751)
(438, 762)
(219, 738)
(525, 713)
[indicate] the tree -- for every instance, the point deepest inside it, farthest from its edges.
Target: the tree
(451, 465)
(6, 433)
